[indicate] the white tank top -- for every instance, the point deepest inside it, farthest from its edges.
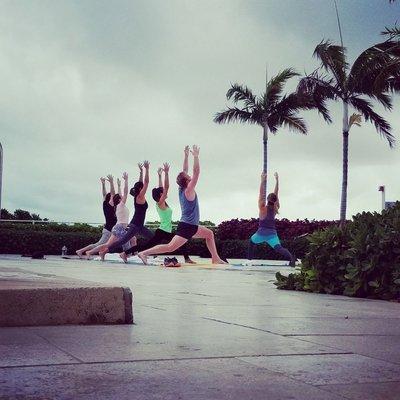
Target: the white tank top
(122, 213)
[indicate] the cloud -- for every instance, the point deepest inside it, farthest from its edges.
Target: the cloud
(91, 88)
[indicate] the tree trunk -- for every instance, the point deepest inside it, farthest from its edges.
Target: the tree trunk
(265, 157)
(343, 202)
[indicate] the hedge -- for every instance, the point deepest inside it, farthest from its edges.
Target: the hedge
(27, 239)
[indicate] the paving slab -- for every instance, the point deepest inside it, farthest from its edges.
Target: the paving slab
(163, 380)
(385, 348)
(259, 318)
(366, 391)
(330, 368)
(158, 335)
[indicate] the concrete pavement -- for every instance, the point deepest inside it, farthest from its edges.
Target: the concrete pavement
(206, 333)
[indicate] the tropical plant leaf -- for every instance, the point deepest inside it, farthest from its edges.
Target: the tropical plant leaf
(234, 115)
(241, 93)
(355, 119)
(333, 60)
(381, 125)
(275, 86)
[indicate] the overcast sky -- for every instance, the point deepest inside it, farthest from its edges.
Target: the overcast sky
(93, 87)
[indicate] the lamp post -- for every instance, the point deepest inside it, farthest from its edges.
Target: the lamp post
(382, 190)
(1, 172)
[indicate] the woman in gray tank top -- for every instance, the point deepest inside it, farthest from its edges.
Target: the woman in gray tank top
(189, 224)
(266, 232)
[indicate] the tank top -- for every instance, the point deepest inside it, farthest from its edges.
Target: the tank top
(268, 222)
(190, 209)
(165, 218)
(109, 215)
(140, 213)
(122, 213)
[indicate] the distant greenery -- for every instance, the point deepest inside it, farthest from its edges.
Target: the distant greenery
(361, 259)
(21, 215)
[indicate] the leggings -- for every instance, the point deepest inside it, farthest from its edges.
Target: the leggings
(272, 239)
(159, 237)
(132, 231)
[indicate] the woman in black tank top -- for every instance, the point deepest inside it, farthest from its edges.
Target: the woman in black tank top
(136, 225)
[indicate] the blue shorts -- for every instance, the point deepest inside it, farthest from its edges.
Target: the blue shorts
(266, 237)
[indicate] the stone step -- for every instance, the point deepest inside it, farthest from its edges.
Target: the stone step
(29, 299)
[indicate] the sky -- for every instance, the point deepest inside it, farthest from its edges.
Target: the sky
(93, 87)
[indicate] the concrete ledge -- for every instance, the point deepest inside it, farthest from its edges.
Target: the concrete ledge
(33, 300)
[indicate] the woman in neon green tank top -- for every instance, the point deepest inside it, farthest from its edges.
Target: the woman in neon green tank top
(164, 233)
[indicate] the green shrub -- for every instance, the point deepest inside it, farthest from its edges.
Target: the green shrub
(361, 259)
(50, 238)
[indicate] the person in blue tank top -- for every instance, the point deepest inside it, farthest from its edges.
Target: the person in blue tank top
(266, 232)
(188, 226)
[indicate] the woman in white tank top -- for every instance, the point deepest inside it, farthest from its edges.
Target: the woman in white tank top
(122, 214)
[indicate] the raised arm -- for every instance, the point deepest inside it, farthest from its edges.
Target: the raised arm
(166, 183)
(190, 193)
(276, 191)
(261, 196)
(276, 183)
(140, 165)
(125, 194)
(141, 196)
(159, 172)
(119, 186)
(110, 179)
(103, 188)
(186, 160)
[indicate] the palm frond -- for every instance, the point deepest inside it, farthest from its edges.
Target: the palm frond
(275, 86)
(387, 76)
(234, 114)
(355, 119)
(319, 89)
(373, 68)
(241, 93)
(319, 86)
(381, 125)
(333, 60)
(392, 32)
(294, 123)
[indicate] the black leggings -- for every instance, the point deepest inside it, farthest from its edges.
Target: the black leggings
(159, 237)
(287, 255)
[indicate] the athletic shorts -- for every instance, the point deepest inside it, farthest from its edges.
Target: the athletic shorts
(105, 235)
(186, 230)
(270, 237)
(119, 231)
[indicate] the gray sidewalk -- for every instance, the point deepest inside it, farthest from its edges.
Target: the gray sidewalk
(206, 333)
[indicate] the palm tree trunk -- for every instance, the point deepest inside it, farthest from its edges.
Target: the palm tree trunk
(265, 156)
(343, 202)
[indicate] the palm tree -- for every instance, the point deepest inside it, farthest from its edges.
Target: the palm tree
(353, 86)
(272, 109)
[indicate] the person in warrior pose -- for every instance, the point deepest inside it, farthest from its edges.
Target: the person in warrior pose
(136, 226)
(109, 215)
(164, 232)
(266, 232)
(189, 225)
(122, 213)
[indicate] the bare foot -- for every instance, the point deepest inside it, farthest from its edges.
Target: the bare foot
(87, 256)
(143, 258)
(189, 261)
(102, 254)
(124, 257)
(218, 261)
(79, 253)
